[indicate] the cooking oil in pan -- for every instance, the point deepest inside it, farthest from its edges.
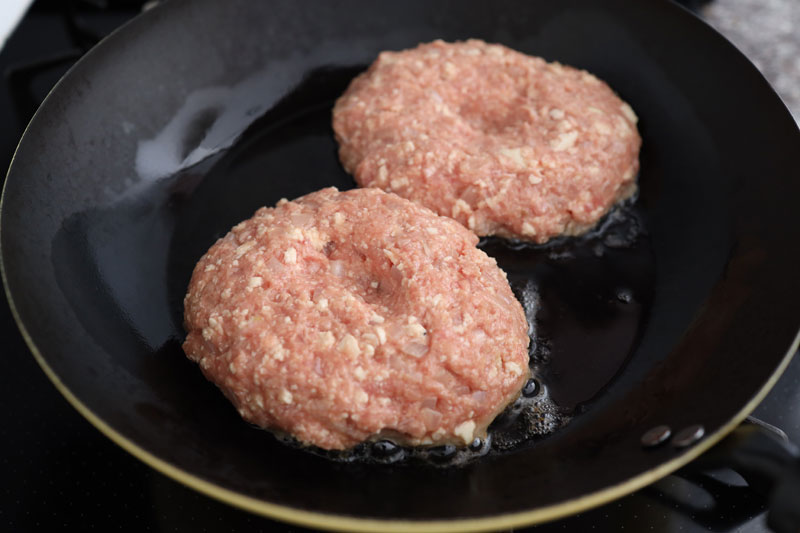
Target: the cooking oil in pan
(586, 298)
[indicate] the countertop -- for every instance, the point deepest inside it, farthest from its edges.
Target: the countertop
(768, 33)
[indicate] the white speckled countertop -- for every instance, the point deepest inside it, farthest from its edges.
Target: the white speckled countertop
(768, 32)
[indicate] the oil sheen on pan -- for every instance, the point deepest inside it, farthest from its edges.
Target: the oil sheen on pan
(615, 295)
(581, 332)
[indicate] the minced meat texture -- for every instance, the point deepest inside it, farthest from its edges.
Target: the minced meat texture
(505, 143)
(345, 316)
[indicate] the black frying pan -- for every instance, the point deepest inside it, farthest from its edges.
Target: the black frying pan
(683, 311)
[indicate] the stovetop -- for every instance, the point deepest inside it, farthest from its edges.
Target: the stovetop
(60, 474)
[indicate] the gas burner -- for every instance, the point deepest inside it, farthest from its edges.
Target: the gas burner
(83, 23)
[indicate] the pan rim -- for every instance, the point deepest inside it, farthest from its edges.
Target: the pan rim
(335, 522)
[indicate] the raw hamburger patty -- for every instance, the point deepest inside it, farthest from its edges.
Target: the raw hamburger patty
(345, 315)
(505, 143)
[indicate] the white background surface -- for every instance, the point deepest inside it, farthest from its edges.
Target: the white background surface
(11, 12)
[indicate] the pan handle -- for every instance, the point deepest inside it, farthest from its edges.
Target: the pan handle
(770, 463)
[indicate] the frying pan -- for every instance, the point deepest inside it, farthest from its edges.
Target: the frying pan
(682, 311)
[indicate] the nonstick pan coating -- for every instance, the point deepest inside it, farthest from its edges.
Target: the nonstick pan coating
(120, 183)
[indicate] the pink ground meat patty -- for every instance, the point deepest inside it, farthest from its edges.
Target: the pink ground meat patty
(505, 143)
(344, 316)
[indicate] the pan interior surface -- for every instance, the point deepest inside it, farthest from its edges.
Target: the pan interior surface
(168, 134)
